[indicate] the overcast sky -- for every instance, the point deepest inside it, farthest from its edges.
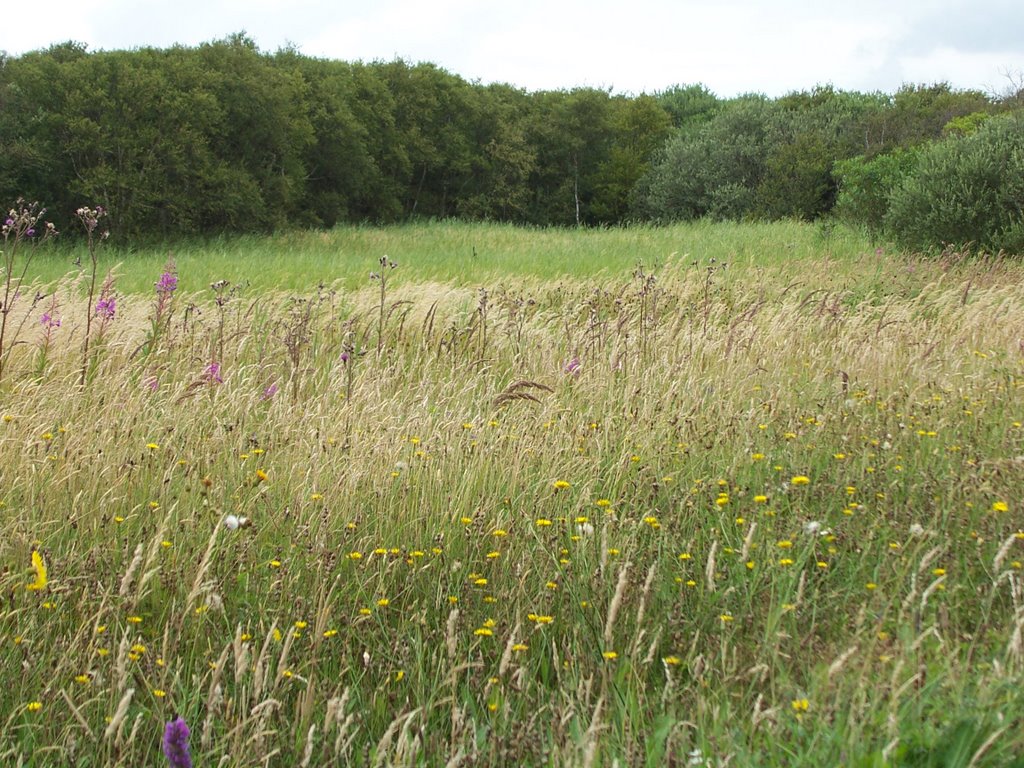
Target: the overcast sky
(631, 46)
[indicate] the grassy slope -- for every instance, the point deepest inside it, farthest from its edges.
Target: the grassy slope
(466, 254)
(415, 584)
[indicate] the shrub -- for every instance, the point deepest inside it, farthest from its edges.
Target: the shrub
(866, 185)
(965, 191)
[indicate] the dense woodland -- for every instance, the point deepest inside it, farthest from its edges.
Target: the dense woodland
(225, 138)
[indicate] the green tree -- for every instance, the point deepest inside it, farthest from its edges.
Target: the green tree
(866, 186)
(714, 172)
(689, 106)
(639, 127)
(965, 191)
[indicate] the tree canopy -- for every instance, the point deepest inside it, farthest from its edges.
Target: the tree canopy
(224, 137)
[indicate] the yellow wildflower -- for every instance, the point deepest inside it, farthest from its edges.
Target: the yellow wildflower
(39, 566)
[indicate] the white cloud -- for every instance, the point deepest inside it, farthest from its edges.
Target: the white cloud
(730, 45)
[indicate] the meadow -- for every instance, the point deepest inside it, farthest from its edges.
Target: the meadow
(699, 495)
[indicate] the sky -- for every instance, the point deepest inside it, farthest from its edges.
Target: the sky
(628, 46)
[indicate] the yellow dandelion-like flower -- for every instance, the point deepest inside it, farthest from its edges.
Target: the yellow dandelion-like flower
(1000, 506)
(800, 705)
(34, 706)
(159, 693)
(261, 475)
(520, 647)
(671, 661)
(800, 480)
(383, 602)
(760, 499)
(560, 485)
(153, 446)
(610, 655)
(483, 632)
(543, 521)
(39, 566)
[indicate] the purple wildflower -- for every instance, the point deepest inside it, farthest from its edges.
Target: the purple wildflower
(106, 307)
(167, 283)
(344, 358)
(49, 321)
(176, 749)
(30, 232)
(572, 368)
(270, 391)
(152, 382)
(212, 374)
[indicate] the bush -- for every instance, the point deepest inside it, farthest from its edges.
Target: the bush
(965, 191)
(866, 185)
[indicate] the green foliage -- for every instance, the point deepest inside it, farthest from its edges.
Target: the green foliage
(226, 138)
(866, 185)
(918, 113)
(965, 191)
(689, 106)
(965, 125)
(713, 172)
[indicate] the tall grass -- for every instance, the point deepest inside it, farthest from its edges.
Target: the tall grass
(766, 514)
(465, 253)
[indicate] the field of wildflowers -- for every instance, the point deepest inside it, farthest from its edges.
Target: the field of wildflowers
(699, 513)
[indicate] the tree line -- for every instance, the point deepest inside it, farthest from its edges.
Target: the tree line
(223, 137)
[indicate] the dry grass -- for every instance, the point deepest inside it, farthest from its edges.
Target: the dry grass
(483, 556)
